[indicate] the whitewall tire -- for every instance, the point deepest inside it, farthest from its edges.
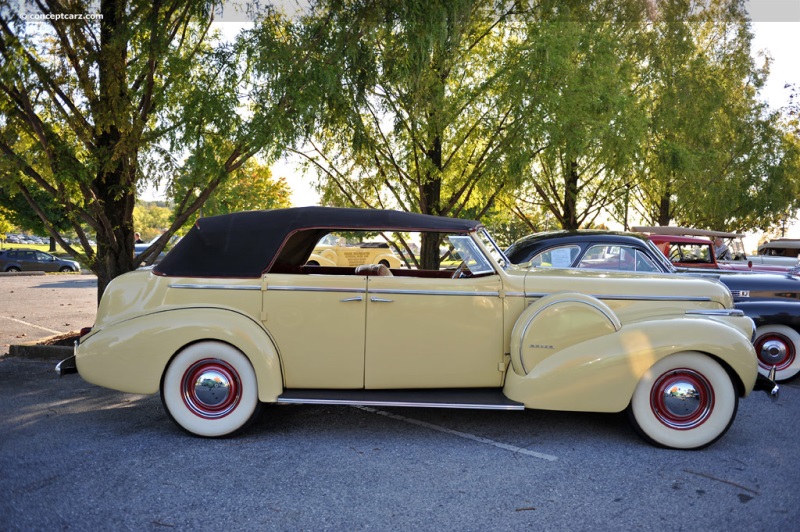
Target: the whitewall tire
(684, 401)
(778, 345)
(210, 389)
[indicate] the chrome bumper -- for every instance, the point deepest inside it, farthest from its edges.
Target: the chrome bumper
(767, 384)
(67, 366)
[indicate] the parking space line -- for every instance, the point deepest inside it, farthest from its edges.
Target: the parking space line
(32, 325)
(465, 435)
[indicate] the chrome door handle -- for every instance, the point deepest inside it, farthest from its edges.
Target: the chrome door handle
(349, 299)
(380, 300)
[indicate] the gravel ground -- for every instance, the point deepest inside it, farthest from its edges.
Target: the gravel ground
(33, 307)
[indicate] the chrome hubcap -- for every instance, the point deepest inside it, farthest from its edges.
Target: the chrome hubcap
(775, 350)
(211, 388)
(682, 399)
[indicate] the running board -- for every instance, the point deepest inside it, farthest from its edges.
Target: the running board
(472, 398)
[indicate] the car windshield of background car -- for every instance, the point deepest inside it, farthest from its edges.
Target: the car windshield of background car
(693, 253)
(622, 258)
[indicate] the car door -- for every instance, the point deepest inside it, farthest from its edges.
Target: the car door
(46, 262)
(434, 333)
(27, 261)
(317, 323)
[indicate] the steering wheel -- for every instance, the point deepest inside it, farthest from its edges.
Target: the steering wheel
(461, 271)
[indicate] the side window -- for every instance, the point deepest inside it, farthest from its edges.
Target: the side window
(644, 263)
(383, 253)
(560, 257)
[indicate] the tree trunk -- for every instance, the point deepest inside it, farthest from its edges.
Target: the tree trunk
(571, 198)
(115, 182)
(664, 209)
(430, 193)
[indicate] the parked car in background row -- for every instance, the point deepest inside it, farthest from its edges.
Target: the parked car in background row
(332, 250)
(771, 300)
(138, 249)
(31, 260)
(781, 247)
(233, 317)
(735, 245)
(689, 252)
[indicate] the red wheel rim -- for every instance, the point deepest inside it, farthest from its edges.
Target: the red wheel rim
(682, 399)
(211, 388)
(775, 349)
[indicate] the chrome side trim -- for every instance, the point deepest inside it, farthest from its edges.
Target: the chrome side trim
(623, 297)
(215, 287)
(717, 312)
(316, 289)
(410, 404)
(434, 292)
(515, 294)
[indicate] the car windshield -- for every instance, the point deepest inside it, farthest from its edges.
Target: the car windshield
(659, 257)
(494, 250)
(466, 250)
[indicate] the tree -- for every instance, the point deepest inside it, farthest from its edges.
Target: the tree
(411, 115)
(580, 101)
(94, 107)
(716, 157)
(151, 219)
(252, 188)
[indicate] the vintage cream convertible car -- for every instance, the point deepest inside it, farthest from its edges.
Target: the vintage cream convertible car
(233, 318)
(332, 250)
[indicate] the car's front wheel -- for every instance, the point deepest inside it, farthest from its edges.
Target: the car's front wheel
(210, 389)
(777, 346)
(684, 401)
(66, 269)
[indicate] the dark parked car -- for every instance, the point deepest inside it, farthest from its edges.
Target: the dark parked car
(772, 300)
(17, 260)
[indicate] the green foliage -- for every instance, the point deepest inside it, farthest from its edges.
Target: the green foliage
(93, 109)
(151, 219)
(716, 158)
(252, 188)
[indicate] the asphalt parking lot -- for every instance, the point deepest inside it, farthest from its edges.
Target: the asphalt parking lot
(75, 456)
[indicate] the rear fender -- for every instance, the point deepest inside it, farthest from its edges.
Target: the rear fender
(132, 355)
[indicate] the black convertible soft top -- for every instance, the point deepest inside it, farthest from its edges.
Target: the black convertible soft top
(246, 244)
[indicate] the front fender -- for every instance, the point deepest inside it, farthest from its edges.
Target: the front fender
(131, 356)
(599, 373)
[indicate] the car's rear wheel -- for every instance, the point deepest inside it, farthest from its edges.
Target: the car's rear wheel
(210, 389)
(777, 346)
(684, 401)
(12, 269)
